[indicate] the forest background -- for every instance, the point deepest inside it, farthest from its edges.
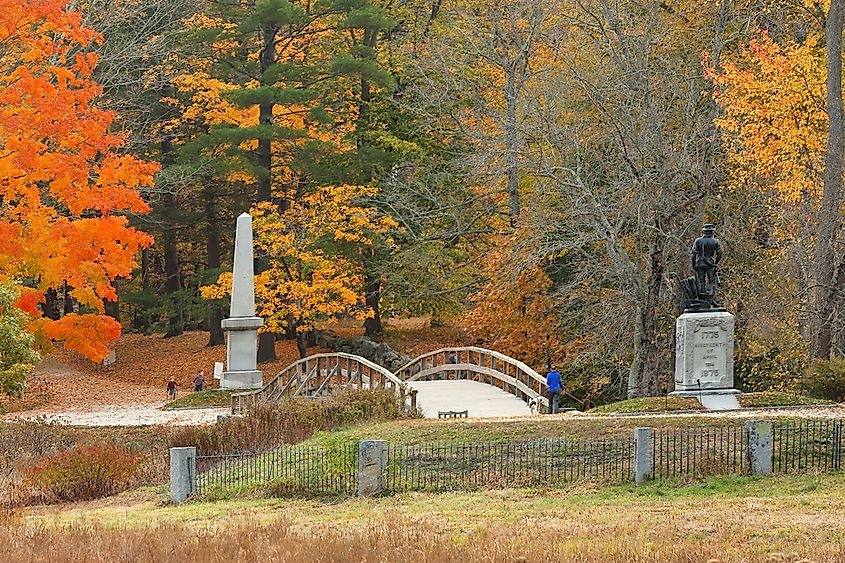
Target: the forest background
(534, 171)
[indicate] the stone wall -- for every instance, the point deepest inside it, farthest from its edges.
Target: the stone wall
(377, 352)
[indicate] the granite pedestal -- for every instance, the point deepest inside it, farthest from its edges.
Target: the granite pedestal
(704, 366)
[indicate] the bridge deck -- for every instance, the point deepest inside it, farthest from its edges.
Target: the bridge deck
(480, 399)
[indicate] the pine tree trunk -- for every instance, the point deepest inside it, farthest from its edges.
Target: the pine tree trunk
(172, 270)
(173, 283)
(829, 213)
(267, 57)
(140, 317)
(212, 249)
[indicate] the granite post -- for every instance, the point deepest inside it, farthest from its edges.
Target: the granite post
(372, 461)
(643, 463)
(242, 325)
(183, 473)
(759, 446)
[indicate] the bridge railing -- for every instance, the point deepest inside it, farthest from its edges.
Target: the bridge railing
(478, 364)
(317, 376)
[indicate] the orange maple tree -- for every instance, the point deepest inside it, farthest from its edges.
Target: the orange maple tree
(65, 188)
(514, 311)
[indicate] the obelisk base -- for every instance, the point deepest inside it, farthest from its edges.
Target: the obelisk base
(241, 351)
(242, 380)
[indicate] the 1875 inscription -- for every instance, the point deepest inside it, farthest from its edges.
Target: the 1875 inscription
(709, 353)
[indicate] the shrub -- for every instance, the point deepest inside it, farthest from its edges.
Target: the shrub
(826, 380)
(290, 421)
(83, 473)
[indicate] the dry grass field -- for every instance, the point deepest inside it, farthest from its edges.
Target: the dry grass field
(796, 518)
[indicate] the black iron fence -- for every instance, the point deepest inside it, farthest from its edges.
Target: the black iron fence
(438, 467)
(285, 470)
(695, 452)
(796, 446)
(807, 445)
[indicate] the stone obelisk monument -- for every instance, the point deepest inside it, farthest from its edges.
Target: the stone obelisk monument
(242, 325)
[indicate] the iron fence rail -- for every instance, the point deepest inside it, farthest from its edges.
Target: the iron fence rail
(438, 467)
(288, 469)
(802, 445)
(797, 445)
(695, 452)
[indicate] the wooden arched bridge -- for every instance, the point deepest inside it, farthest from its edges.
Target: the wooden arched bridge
(319, 375)
(482, 382)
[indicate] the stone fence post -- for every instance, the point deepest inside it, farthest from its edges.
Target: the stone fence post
(643, 464)
(759, 446)
(183, 473)
(372, 461)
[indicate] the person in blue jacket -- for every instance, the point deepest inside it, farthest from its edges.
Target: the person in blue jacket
(555, 388)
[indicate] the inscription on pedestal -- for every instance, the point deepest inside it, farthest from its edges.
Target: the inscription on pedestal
(708, 354)
(704, 357)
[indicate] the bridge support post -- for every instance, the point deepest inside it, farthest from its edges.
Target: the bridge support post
(372, 461)
(413, 402)
(643, 463)
(183, 473)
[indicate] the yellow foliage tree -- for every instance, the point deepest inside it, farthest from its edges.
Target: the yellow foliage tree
(773, 116)
(311, 247)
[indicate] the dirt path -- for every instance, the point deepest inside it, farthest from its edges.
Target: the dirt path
(88, 399)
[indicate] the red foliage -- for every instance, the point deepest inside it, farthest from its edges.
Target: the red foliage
(64, 184)
(85, 472)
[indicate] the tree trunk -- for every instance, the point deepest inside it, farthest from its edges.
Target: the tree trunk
(67, 308)
(642, 380)
(140, 314)
(173, 283)
(172, 269)
(302, 344)
(373, 326)
(829, 213)
(267, 57)
(112, 308)
(212, 249)
(512, 149)
(51, 304)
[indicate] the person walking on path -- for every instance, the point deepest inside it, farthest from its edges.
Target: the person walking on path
(199, 381)
(555, 387)
(171, 388)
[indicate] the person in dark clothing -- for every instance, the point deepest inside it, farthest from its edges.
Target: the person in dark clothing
(171, 388)
(452, 359)
(199, 381)
(555, 388)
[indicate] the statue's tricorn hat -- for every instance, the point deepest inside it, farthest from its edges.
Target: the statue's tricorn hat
(709, 228)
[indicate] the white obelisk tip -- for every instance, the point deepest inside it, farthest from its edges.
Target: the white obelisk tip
(243, 283)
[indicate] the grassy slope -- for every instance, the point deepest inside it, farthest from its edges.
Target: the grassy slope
(428, 431)
(207, 398)
(650, 404)
(777, 399)
(733, 519)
